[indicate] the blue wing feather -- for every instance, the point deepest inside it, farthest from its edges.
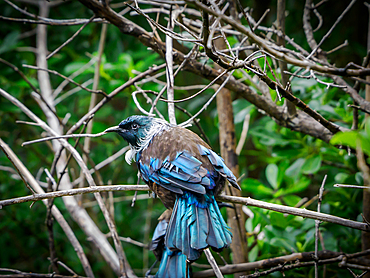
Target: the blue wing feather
(219, 165)
(184, 172)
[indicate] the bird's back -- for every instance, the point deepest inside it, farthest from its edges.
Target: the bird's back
(167, 145)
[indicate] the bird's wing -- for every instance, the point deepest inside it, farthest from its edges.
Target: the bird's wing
(184, 172)
(219, 165)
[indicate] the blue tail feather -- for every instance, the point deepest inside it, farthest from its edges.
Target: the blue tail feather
(196, 223)
(173, 265)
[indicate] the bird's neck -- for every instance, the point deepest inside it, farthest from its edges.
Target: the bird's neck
(156, 128)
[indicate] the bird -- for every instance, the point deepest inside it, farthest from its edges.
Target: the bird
(186, 175)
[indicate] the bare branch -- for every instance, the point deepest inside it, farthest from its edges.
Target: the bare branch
(63, 136)
(213, 263)
(232, 199)
(72, 192)
(70, 80)
(70, 39)
(287, 262)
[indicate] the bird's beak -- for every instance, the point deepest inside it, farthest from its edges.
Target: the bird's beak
(113, 129)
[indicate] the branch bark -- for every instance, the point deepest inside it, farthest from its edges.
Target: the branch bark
(223, 198)
(285, 260)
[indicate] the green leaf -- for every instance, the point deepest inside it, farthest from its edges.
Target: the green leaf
(302, 184)
(278, 219)
(256, 187)
(295, 169)
(367, 127)
(282, 243)
(348, 138)
(365, 143)
(272, 172)
(312, 165)
(253, 254)
(291, 200)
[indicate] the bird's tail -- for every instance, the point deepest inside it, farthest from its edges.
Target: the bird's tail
(196, 223)
(173, 265)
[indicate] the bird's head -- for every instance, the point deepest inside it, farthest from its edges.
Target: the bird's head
(134, 129)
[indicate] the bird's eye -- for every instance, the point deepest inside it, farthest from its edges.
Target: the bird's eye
(134, 126)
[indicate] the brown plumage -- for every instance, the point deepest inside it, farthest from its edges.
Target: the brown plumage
(167, 144)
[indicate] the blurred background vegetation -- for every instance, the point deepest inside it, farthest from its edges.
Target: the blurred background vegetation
(277, 164)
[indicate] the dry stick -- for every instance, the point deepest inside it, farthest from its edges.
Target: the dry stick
(244, 134)
(112, 94)
(62, 137)
(187, 57)
(317, 225)
(61, 86)
(67, 268)
(36, 91)
(46, 91)
(231, 199)
(89, 178)
(277, 53)
(72, 192)
(169, 72)
(213, 263)
(338, 47)
(296, 211)
(134, 242)
(282, 262)
(297, 264)
(165, 30)
(56, 213)
(5, 149)
(71, 38)
(54, 22)
(198, 93)
(86, 147)
(67, 78)
(207, 36)
(299, 103)
(351, 186)
(49, 223)
(208, 102)
(20, 10)
(332, 28)
(19, 274)
(104, 163)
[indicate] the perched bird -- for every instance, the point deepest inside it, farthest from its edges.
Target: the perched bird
(186, 175)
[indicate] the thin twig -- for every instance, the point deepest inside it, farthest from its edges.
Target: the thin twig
(70, 39)
(317, 226)
(213, 263)
(331, 29)
(352, 186)
(169, 71)
(5, 149)
(208, 102)
(244, 134)
(67, 78)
